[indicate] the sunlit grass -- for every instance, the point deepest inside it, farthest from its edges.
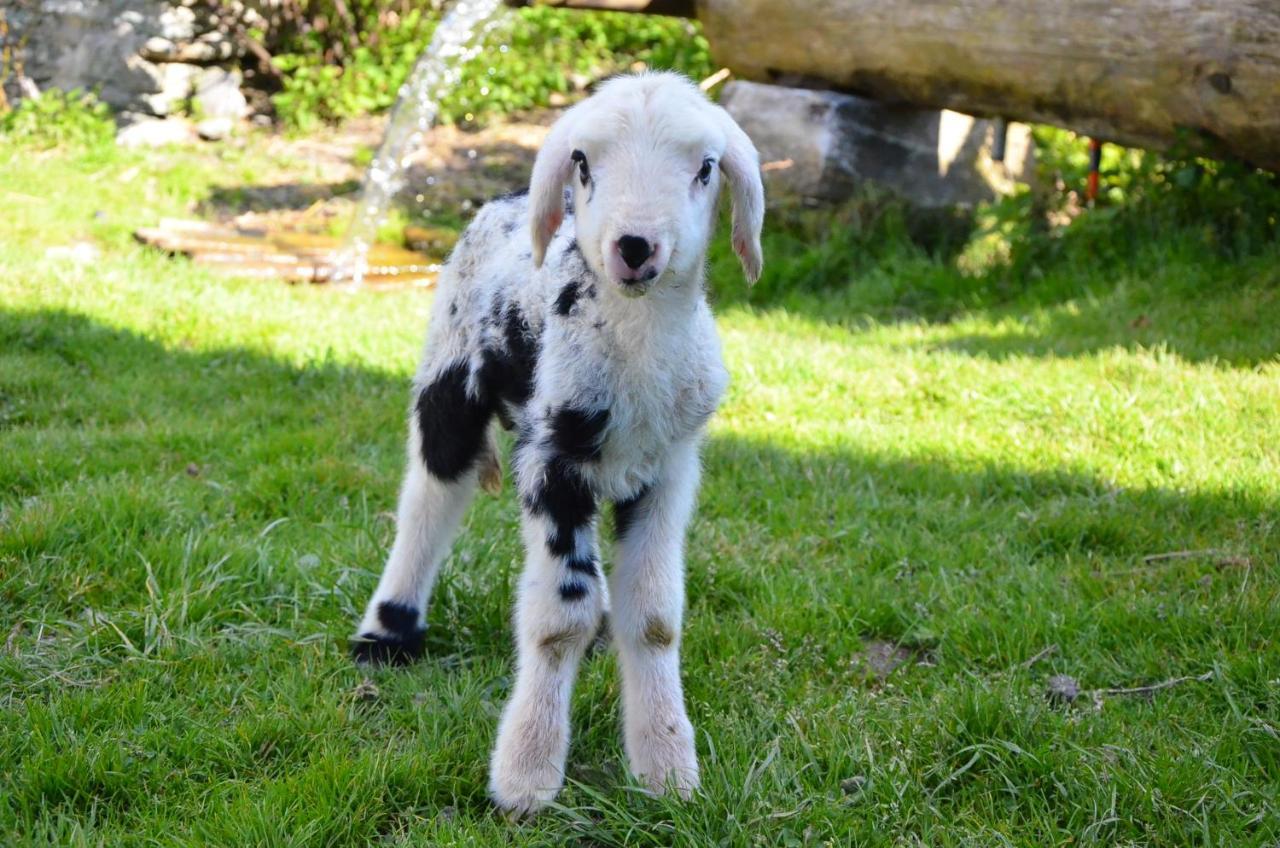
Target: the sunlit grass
(195, 483)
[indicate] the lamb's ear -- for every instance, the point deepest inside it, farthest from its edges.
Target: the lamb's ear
(551, 170)
(741, 165)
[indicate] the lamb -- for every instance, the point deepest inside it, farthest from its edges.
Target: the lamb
(577, 317)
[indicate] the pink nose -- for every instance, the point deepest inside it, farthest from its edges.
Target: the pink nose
(635, 251)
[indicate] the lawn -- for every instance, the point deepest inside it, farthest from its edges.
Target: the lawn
(930, 490)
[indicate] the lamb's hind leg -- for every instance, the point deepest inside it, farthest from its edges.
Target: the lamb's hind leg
(449, 443)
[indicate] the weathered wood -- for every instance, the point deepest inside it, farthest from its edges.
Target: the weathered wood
(1144, 72)
(1134, 71)
(673, 8)
(281, 255)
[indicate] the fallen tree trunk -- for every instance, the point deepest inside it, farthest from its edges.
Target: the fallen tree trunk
(1143, 72)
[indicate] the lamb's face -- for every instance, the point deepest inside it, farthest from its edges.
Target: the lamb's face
(645, 183)
(644, 157)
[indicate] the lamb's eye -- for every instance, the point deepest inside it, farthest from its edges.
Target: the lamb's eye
(584, 173)
(704, 173)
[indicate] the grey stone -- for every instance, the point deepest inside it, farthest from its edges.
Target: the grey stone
(173, 82)
(215, 129)
(823, 145)
(1062, 689)
(218, 95)
(138, 55)
(208, 49)
(156, 132)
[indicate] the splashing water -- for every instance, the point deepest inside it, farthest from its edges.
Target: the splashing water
(457, 40)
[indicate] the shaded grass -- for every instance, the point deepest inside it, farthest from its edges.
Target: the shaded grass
(195, 484)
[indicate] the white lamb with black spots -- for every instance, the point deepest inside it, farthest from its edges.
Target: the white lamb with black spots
(579, 319)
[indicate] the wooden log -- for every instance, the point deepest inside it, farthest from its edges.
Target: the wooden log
(1150, 73)
(1142, 72)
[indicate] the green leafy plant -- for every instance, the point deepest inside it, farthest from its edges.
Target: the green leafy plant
(538, 52)
(58, 119)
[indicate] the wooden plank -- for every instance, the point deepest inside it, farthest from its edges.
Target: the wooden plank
(288, 255)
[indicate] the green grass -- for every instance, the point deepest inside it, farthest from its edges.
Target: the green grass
(195, 484)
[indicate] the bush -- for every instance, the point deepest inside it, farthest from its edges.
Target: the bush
(1153, 209)
(536, 52)
(58, 119)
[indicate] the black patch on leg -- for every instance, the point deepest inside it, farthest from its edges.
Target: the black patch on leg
(582, 565)
(506, 375)
(404, 644)
(566, 500)
(626, 512)
(452, 424)
(562, 495)
(568, 298)
(576, 433)
(572, 590)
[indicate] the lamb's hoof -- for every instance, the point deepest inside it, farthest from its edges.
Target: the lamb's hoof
(682, 781)
(664, 760)
(522, 806)
(397, 640)
(522, 777)
(376, 649)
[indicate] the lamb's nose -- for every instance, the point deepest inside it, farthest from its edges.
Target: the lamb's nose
(634, 250)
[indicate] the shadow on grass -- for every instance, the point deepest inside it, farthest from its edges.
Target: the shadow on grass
(246, 436)
(982, 567)
(293, 197)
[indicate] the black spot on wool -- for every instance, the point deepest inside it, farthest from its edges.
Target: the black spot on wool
(405, 643)
(582, 566)
(507, 375)
(572, 590)
(566, 500)
(576, 433)
(626, 512)
(452, 424)
(568, 298)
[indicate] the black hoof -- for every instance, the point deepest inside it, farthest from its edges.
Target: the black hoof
(372, 649)
(404, 644)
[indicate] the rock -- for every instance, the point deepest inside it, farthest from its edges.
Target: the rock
(208, 49)
(218, 95)
(173, 82)
(215, 129)
(1062, 689)
(79, 253)
(176, 23)
(880, 659)
(823, 145)
(853, 785)
(138, 55)
(366, 690)
(156, 132)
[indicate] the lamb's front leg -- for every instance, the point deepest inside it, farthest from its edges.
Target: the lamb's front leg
(647, 591)
(561, 599)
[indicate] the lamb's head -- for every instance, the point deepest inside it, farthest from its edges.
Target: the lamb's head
(644, 156)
